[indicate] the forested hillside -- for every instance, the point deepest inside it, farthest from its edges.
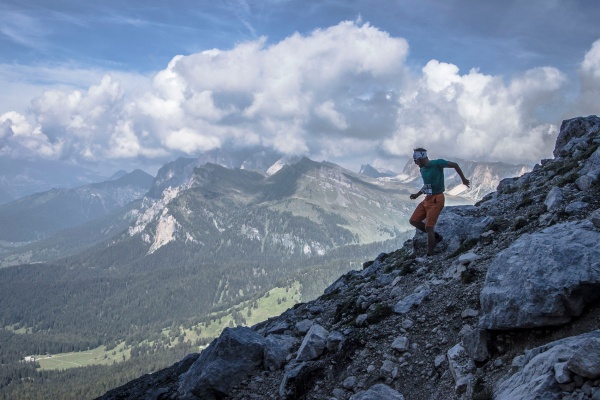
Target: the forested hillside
(42, 214)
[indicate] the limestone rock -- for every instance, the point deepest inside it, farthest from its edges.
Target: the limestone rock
(304, 326)
(475, 343)
(226, 361)
(335, 341)
(553, 199)
(535, 377)
(461, 367)
(404, 305)
(277, 349)
(584, 182)
(467, 258)
(314, 343)
(571, 130)
(562, 373)
(586, 360)
(542, 279)
(401, 344)
(289, 379)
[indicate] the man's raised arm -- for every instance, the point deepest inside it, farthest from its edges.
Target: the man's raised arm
(454, 165)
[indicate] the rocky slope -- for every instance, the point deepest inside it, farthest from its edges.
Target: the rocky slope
(507, 308)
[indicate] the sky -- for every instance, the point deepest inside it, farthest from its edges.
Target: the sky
(134, 84)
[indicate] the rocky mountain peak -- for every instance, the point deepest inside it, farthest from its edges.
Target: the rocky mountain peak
(508, 308)
(367, 169)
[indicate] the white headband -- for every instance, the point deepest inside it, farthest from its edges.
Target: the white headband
(419, 154)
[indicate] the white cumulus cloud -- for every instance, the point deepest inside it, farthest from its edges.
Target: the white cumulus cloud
(477, 116)
(341, 93)
(589, 75)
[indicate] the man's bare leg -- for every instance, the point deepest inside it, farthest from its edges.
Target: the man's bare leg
(419, 225)
(431, 239)
(431, 242)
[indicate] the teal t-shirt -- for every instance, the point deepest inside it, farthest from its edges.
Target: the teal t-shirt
(433, 177)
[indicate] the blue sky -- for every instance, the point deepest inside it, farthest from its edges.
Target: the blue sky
(133, 84)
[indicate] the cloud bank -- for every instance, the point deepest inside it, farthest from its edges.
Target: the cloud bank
(339, 94)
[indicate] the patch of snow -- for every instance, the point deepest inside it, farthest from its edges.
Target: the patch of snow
(275, 167)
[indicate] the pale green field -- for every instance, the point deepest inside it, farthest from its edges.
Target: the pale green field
(267, 307)
(97, 356)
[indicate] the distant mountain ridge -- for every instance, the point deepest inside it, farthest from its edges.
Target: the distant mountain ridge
(22, 178)
(367, 169)
(40, 215)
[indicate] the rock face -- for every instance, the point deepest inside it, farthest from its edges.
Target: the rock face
(543, 279)
(537, 376)
(507, 308)
(227, 361)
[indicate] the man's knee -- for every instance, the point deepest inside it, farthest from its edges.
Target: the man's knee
(414, 223)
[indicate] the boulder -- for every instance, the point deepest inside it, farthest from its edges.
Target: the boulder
(586, 361)
(475, 343)
(304, 326)
(277, 350)
(335, 341)
(536, 376)
(405, 305)
(542, 279)
(553, 199)
(226, 362)
(289, 380)
(462, 368)
(314, 343)
(573, 129)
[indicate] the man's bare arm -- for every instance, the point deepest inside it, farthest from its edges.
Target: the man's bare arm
(456, 167)
(415, 195)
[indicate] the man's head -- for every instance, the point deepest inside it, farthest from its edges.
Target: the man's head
(420, 157)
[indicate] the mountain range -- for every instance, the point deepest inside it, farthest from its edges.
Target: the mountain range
(40, 215)
(20, 178)
(507, 308)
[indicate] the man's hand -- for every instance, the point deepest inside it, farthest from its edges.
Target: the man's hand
(466, 182)
(415, 195)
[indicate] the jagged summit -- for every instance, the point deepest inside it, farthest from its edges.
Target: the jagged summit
(507, 308)
(367, 169)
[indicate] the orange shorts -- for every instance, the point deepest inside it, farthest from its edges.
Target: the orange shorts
(429, 209)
